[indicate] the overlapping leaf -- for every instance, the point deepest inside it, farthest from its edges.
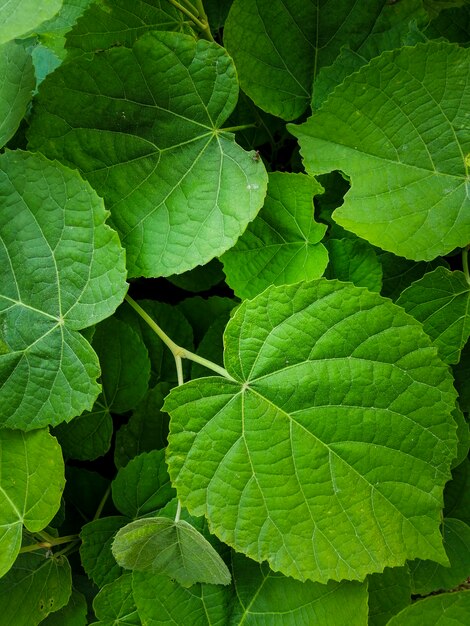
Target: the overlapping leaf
(61, 270)
(316, 457)
(441, 302)
(263, 597)
(16, 87)
(282, 245)
(115, 604)
(279, 46)
(389, 593)
(144, 126)
(31, 485)
(95, 550)
(399, 129)
(446, 608)
(163, 546)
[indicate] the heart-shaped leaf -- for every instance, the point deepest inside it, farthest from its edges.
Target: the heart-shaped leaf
(316, 456)
(61, 270)
(399, 129)
(144, 125)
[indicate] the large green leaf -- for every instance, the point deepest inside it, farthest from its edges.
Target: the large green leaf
(143, 485)
(21, 16)
(398, 129)
(282, 245)
(279, 46)
(161, 600)
(445, 609)
(31, 485)
(441, 302)
(16, 87)
(264, 597)
(175, 548)
(35, 587)
(73, 614)
(144, 126)
(122, 22)
(328, 453)
(61, 270)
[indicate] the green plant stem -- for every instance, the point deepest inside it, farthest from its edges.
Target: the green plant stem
(178, 512)
(99, 510)
(234, 129)
(202, 24)
(465, 263)
(48, 544)
(177, 350)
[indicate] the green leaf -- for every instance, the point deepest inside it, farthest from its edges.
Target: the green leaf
(391, 30)
(143, 485)
(453, 24)
(279, 47)
(88, 436)
(441, 302)
(95, 549)
(33, 588)
(164, 546)
(173, 322)
(121, 23)
(396, 128)
(462, 376)
(144, 126)
(16, 87)
(427, 576)
(201, 313)
(73, 614)
(61, 270)
(211, 346)
(337, 400)
(264, 597)
(31, 485)
(399, 273)
(146, 429)
(114, 605)
(389, 592)
(445, 608)
(354, 260)
(161, 600)
(201, 278)
(21, 16)
(282, 245)
(463, 434)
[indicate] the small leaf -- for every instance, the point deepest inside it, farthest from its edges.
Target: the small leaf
(389, 593)
(396, 128)
(87, 436)
(337, 399)
(441, 302)
(33, 588)
(399, 273)
(143, 485)
(144, 125)
(163, 546)
(114, 605)
(264, 597)
(282, 245)
(161, 600)
(21, 16)
(95, 549)
(427, 576)
(16, 87)
(61, 270)
(31, 485)
(445, 608)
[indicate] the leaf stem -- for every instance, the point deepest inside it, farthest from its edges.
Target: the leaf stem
(234, 129)
(465, 263)
(200, 20)
(177, 350)
(48, 544)
(178, 512)
(99, 510)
